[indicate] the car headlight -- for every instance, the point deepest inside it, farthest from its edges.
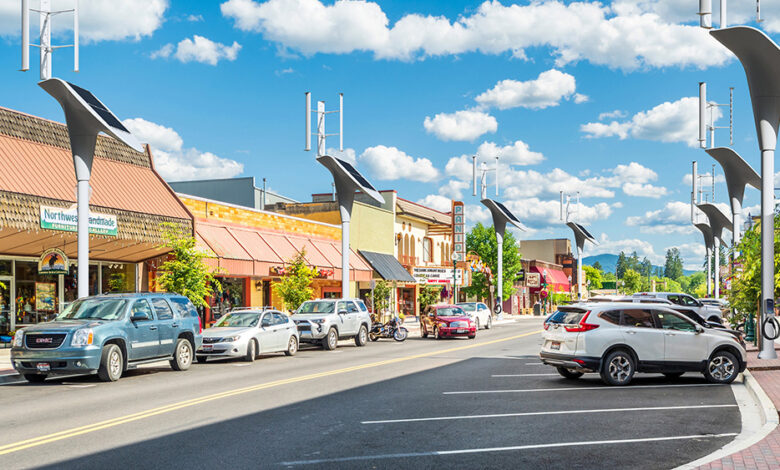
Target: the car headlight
(230, 339)
(18, 338)
(318, 321)
(82, 337)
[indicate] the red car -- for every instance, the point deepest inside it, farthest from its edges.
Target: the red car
(447, 321)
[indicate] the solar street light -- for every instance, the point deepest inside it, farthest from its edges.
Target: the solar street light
(86, 116)
(718, 222)
(706, 231)
(501, 216)
(581, 235)
(348, 180)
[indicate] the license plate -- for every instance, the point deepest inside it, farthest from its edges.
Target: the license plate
(555, 345)
(207, 347)
(461, 331)
(44, 367)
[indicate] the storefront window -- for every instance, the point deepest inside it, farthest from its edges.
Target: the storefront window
(118, 278)
(406, 301)
(6, 267)
(5, 306)
(71, 283)
(232, 295)
(36, 295)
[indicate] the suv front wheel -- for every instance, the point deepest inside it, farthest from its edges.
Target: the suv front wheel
(111, 363)
(331, 340)
(618, 368)
(362, 337)
(722, 368)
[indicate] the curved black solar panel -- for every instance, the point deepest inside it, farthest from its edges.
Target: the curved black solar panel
(99, 108)
(506, 212)
(354, 173)
(584, 231)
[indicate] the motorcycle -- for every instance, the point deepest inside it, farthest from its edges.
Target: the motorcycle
(391, 329)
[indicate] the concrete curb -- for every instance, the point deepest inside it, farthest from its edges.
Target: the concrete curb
(759, 417)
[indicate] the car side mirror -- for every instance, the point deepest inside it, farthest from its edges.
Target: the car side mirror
(139, 317)
(699, 329)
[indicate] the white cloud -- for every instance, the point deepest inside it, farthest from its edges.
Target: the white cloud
(461, 125)
(542, 92)
(635, 173)
(674, 217)
(706, 178)
(676, 121)
(693, 254)
(176, 163)
(99, 20)
(198, 49)
(612, 115)
(644, 190)
(435, 201)
(453, 189)
(574, 31)
(579, 98)
(518, 153)
(390, 163)
(194, 18)
(347, 155)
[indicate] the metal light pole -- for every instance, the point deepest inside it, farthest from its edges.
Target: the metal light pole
(706, 231)
(760, 57)
(501, 216)
(581, 235)
(718, 222)
(85, 116)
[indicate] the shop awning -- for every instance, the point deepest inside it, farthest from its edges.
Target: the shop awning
(246, 251)
(556, 280)
(387, 266)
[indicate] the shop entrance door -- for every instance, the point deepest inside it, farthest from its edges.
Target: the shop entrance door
(6, 305)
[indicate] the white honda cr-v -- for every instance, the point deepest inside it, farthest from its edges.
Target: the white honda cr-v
(619, 339)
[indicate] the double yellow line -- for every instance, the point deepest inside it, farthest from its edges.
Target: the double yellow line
(89, 428)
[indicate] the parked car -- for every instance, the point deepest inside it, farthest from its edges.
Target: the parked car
(447, 321)
(325, 321)
(721, 304)
(707, 312)
(479, 313)
(641, 300)
(109, 334)
(619, 339)
(247, 333)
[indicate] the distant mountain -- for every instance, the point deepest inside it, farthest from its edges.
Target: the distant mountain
(608, 263)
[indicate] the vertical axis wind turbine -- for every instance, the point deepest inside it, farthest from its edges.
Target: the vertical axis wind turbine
(760, 57)
(44, 44)
(346, 178)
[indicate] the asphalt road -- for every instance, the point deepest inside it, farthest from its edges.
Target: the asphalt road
(484, 403)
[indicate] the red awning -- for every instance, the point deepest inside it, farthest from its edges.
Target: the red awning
(556, 280)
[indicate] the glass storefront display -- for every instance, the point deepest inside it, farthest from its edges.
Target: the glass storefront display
(29, 285)
(406, 300)
(118, 277)
(232, 295)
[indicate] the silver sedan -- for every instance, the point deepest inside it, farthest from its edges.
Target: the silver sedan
(249, 333)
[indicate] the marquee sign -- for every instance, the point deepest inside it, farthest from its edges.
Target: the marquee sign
(436, 275)
(459, 230)
(58, 218)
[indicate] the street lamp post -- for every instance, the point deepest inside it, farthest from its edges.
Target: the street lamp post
(501, 216)
(581, 235)
(718, 222)
(760, 57)
(706, 231)
(85, 116)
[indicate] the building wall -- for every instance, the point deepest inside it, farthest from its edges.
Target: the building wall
(545, 250)
(239, 191)
(264, 220)
(410, 234)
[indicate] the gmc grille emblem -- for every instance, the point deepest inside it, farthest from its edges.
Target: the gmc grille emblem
(43, 340)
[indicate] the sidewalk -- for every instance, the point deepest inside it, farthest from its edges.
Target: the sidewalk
(5, 362)
(766, 453)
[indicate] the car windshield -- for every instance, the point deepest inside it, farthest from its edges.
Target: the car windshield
(94, 309)
(239, 319)
(449, 311)
(468, 307)
(316, 307)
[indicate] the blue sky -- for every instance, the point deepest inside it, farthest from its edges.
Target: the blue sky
(573, 95)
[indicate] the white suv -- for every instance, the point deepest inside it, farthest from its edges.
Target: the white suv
(325, 321)
(620, 339)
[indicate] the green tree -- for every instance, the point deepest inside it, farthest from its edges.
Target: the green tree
(597, 266)
(429, 295)
(632, 282)
(695, 281)
(382, 293)
(646, 268)
(745, 290)
(295, 286)
(673, 267)
(185, 272)
(610, 276)
(622, 265)
(593, 276)
(482, 241)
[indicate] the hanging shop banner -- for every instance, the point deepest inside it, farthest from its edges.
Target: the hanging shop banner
(533, 280)
(45, 296)
(53, 261)
(58, 218)
(436, 275)
(459, 230)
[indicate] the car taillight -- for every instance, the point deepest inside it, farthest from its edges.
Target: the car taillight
(582, 325)
(546, 326)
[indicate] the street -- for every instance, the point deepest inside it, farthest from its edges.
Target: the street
(485, 403)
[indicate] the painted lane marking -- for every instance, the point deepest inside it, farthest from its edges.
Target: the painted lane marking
(567, 389)
(439, 453)
(545, 413)
(89, 428)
